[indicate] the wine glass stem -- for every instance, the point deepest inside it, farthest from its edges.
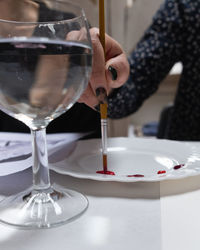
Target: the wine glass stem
(41, 178)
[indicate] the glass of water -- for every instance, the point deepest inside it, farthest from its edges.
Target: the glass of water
(45, 64)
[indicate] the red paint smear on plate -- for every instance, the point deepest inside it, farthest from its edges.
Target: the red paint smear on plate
(161, 172)
(178, 166)
(105, 172)
(135, 175)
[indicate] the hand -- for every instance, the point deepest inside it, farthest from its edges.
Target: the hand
(115, 62)
(51, 75)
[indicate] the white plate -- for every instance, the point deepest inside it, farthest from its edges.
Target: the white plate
(132, 159)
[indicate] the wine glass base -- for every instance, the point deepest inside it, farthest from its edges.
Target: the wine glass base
(32, 209)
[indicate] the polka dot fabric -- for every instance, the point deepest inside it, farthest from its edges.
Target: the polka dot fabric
(173, 36)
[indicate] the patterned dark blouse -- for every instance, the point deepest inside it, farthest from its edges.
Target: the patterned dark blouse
(173, 36)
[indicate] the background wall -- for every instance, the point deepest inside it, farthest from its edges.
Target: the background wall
(127, 19)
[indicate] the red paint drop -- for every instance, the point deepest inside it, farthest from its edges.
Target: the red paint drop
(135, 175)
(161, 172)
(178, 166)
(105, 172)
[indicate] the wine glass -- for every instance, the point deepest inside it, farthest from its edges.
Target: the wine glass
(45, 64)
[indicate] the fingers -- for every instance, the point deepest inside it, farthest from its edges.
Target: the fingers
(117, 66)
(77, 35)
(98, 77)
(51, 75)
(110, 72)
(88, 97)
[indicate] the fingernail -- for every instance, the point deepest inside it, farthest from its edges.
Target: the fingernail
(101, 94)
(100, 91)
(113, 72)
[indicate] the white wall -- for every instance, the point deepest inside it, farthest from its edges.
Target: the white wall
(129, 18)
(91, 9)
(126, 20)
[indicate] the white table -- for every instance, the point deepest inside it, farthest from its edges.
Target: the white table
(180, 214)
(170, 216)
